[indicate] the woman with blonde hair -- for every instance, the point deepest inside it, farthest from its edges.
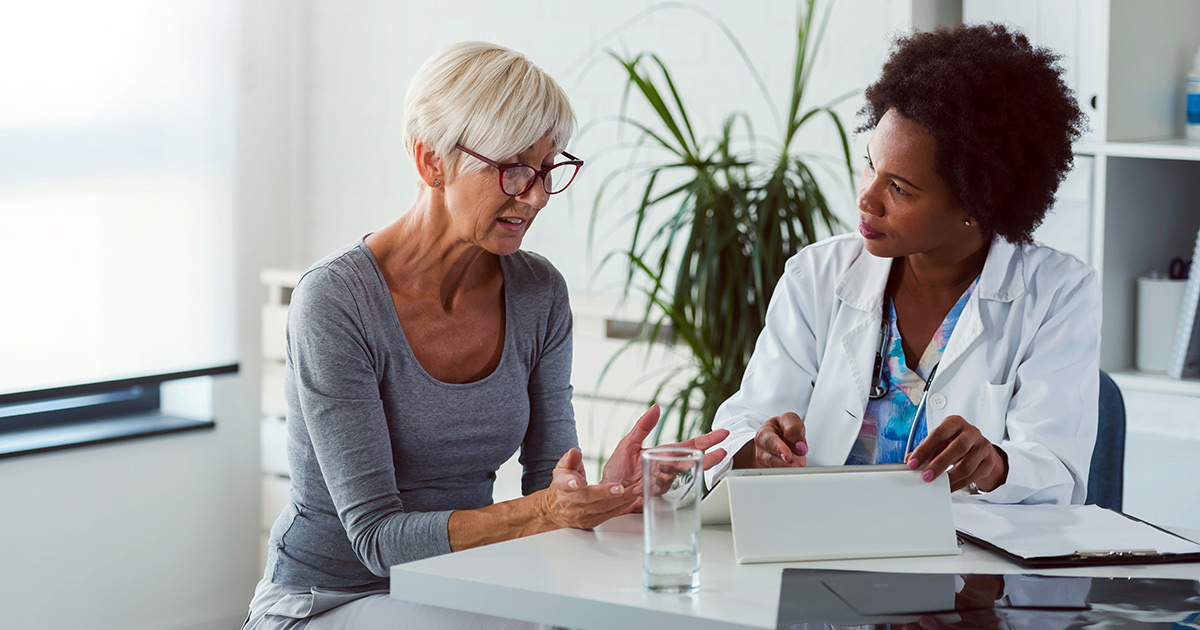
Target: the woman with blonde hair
(424, 355)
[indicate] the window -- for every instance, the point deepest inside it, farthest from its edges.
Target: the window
(117, 175)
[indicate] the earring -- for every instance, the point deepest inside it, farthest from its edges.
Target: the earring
(437, 182)
(968, 222)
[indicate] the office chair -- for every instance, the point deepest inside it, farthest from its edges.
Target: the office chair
(1106, 481)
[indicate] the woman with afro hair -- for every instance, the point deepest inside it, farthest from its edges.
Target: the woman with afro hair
(940, 335)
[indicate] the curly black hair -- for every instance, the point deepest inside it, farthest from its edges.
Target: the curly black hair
(999, 111)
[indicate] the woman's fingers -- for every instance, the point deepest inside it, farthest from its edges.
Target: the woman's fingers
(572, 460)
(955, 446)
(793, 432)
(971, 469)
(933, 443)
(624, 464)
(978, 467)
(770, 447)
(581, 506)
(593, 520)
(771, 450)
(569, 471)
(706, 441)
(951, 454)
(577, 504)
(582, 493)
(642, 428)
(713, 458)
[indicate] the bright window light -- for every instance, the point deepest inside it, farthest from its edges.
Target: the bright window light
(117, 175)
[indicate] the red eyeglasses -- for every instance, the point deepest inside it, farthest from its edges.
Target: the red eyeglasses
(516, 179)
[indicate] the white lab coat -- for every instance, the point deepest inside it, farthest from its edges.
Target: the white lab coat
(1022, 363)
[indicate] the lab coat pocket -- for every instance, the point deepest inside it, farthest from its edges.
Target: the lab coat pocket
(993, 409)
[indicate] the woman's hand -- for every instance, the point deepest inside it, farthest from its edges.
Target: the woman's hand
(958, 443)
(779, 443)
(624, 466)
(571, 502)
(568, 502)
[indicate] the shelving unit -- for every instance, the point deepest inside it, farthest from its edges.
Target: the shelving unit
(1161, 149)
(275, 481)
(1157, 384)
(1127, 61)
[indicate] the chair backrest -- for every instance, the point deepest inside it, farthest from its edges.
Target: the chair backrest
(1106, 481)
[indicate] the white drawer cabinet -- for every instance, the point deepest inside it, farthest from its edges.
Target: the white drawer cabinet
(274, 332)
(273, 463)
(1162, 473)
(274, 491)
(273, 446)
(273, 402)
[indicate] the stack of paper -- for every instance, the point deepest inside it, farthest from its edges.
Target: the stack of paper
(1066, 535)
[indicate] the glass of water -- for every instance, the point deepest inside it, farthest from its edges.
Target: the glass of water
(671, 482)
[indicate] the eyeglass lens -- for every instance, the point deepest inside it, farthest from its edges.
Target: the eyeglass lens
(515, 180)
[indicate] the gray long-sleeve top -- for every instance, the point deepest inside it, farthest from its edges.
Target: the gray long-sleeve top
(381, 452)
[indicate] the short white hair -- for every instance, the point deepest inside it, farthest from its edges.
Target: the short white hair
(488, 98)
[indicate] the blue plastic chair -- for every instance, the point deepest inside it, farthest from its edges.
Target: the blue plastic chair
(1106, 481)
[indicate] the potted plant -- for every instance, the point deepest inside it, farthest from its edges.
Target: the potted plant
(709, 247)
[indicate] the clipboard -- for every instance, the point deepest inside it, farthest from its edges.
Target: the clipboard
(1066, 528)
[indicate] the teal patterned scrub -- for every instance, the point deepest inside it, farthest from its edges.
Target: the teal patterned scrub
(898, 407)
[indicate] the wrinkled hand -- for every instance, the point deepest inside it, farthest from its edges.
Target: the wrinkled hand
(956, 442)
(780, 443)
(570, 502)
(624, 466)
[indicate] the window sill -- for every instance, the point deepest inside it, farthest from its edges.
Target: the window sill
(101, 431)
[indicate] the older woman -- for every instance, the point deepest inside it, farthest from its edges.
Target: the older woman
(421, 357)
(940, 335)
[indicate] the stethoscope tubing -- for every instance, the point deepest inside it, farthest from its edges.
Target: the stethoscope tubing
(879, 389)
(912, 432)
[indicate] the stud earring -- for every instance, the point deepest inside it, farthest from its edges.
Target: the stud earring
(968, 222)
(437, 182)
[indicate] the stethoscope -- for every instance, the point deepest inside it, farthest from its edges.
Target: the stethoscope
(879, 387)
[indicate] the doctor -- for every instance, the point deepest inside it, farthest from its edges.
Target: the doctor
(941, 335)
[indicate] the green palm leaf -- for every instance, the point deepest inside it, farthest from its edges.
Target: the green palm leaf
(708, 250)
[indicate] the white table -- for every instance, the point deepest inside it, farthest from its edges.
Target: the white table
(593, 579)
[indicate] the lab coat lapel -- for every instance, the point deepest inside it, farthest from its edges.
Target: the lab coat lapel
(861, 287)
(1001, 280)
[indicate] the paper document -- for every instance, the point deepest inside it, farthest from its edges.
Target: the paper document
(1034, 531)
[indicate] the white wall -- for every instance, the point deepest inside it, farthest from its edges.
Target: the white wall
(153, 533)
(363, 56)
(162, 533)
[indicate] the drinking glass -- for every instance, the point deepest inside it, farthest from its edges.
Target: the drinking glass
(671, 482)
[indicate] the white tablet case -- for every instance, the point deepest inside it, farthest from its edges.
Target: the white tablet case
(833, 513)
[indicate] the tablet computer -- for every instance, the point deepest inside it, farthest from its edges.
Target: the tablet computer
(812, 470)
(832, 513)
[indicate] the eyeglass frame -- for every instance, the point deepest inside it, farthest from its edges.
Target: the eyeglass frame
(538, 172)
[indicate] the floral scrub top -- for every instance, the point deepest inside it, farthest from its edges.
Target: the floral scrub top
(898, 406)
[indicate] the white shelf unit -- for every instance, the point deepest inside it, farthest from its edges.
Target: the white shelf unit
(1127, 61)
(275, 480)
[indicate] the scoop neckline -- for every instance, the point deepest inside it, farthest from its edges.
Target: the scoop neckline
(399, 328)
